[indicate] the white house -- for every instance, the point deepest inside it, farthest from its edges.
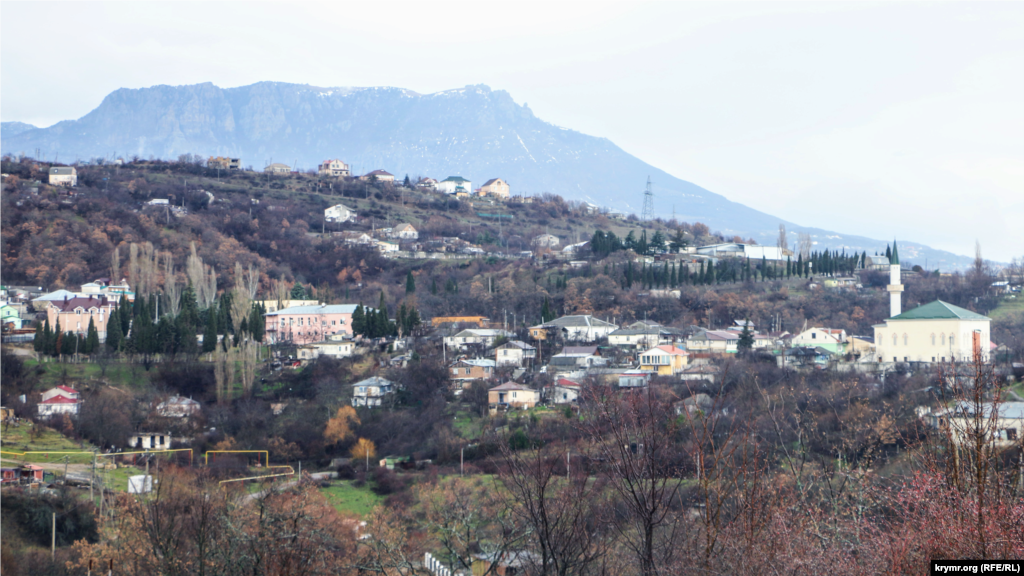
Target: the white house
(515, 353)
(278, 169)
(371, 392)
(578, 328)
(339, 213)
(475, 336)
(830, 339)
(59, 400)
(333, 168)
(454, 185)
(334, 349)
(152, 440)
(405, 232)
(178, 407)
(386, 247)
(562, 391)
(63, 176)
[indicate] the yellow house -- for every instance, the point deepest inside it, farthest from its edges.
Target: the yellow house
(666, 360)
(495, 187)
(512, 395)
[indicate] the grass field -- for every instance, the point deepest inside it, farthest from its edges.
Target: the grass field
(117, 373)
(17, 439)
(1008, 306)
(347, 498)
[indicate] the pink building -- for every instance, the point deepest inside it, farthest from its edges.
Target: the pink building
(74, 314)
(308, 324)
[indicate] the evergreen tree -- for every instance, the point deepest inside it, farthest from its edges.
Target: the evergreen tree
(359, 321)
(186, 342)
(406, 182)
(433, 286)
(678, 241)
(412, 320)
(125, 316)
(298, 291)
(69, 343)
(712, 279)
(257, 322)
(410, 283)
(166, 335)
(789, 267)
(400, 318)
(58, 341)
(224, 324)
(189, 310)
(210, 333)
(746, 341)
(39, 342)
(92, 339)
(641, 245)
(658, 241)
(888, 252)
(114, 333)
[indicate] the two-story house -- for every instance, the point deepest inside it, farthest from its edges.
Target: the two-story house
(222, 163)
(333, 169)
(278, 169)
(309, 324)
(59, 400)
(495, 187)
(454, 185)
(578, 328)
(75, 313)
(379, 176)
(63, 176)
(714, 341)
(466, 370)
(372, 391)
(666, 360)
(339, 213)
(830, 339)
(405, 232)
(515, 353)
(484, 337)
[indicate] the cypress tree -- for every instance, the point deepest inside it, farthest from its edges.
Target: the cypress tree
(186, 337)
(433, 286)
(711, 275)
(410, 284)
(210, 333)
(92, 339)
(39, 342)
(58, 341)
(400, 319)
(114, 333)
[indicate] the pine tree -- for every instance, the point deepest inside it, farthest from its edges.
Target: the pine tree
(298, 291)
(746, 341)
(412, 320)
(410, 284)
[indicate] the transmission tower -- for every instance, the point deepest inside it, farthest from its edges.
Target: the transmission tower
(648, 211)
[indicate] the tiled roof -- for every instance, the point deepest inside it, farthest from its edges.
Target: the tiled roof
(491, 181)
(81, 302)
(512, 386)
(325, 309)
(939, 310)
(578, 351)
(60, 399)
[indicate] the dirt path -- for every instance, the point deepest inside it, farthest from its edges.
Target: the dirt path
(72, 468)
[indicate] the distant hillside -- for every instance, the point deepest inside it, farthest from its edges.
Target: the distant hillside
(474, 131)
(8, 129)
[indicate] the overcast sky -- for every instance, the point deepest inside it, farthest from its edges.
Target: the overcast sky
(879, 119)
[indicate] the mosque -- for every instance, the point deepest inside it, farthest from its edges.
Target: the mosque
(934, 332)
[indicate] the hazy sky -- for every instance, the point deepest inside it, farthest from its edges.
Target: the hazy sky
(880, 119)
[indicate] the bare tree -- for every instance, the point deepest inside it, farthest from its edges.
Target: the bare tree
(241, 300)
(224, 374)
(171, 287)
(804, 245)
(115, 265)
(247, 354)
(202, 277)
(783, 242)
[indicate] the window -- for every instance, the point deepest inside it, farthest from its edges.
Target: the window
(933, 344)
(814, 335)
(951, 340)
(894, 338)
(943, 339)
(905, 339)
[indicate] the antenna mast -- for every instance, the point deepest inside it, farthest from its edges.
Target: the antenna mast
(648, 211)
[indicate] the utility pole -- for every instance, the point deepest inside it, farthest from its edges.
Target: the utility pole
(92, 479)
(53, 539)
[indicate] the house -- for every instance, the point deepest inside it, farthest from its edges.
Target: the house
(151, 441)
(356, 237)
(806, 356)
(515, 353)
(371, 392)
(562, 391)
(714, 341)
(511, 563)
(429, 183)
(495, 187)
(454, 185)
(705, 372)
(339, 213)
(379, 176)
(666, 360)
(546, 241)
(332, 169)
(278, 169)
(634, 379)
(641, 335)
(1006, 421)
(63, 176)
(466, 370)
(484, 337)
(223, 163)
(75, 313)
(386, 247)
(405, 232)
(178, 407)
(156, 202)
(31, 473)
(879, 263)
(10, 475)
(830, 339)
(333, 349)
(860, 345)
(512, 395)
(59, 400)
(9, 317)
(935, 332)
(578, 328)
(308, 324)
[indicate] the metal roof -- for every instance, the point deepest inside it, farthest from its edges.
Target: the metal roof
(939, 310)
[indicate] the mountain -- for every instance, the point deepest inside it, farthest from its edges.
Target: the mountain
(14, 128)
(474, 132)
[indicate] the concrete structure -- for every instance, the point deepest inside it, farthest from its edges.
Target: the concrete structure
(495, 187)
(224, 163)
(151, 440)
(179, 407)
(308, 324)
(339, 213)
(934, 332)
(371, 392)
(454, 185)
(578, 328)
(546, 241)
(666, 360)
(74, 314)
(737, 250)
(515, 353)
(562, 391)
(278, 169)
(830, 339)
(379, 175)
(332, 349)
(475, 336)
(405, 232)
(275, 305)
(512, 395)
(63, 176)
(467, 370)
(333, 169)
